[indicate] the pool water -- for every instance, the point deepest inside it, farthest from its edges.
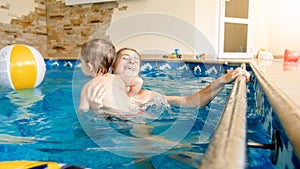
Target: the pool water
(43, 124)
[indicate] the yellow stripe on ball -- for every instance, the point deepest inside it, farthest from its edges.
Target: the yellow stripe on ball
(29, 164)
(23, 68)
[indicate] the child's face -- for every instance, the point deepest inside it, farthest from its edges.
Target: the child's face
(128, 63)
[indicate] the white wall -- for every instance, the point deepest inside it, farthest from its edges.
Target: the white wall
(162, 35)
(261, 20)
(202, 14)
(284, 28)
(276, 25)
(206, 21)
(275, 28)
(16, 8)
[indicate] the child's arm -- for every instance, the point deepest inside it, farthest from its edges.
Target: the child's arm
(135, 86)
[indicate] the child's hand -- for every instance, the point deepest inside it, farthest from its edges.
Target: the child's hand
(135, 86)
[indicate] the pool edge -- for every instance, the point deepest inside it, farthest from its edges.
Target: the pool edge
(285, 108)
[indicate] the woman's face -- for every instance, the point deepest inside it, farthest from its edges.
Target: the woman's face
(128, 63)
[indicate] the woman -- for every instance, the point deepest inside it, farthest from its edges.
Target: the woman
(127, 66)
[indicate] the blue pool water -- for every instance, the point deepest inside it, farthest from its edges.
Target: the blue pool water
(43, 124)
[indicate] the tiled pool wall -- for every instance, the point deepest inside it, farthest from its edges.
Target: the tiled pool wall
(286, 157)
(198, 68)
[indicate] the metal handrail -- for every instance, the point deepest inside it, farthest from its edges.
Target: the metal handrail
(227, 148)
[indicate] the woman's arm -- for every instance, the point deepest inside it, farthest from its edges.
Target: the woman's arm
(95, 93)
(204, 96)
(92, 95)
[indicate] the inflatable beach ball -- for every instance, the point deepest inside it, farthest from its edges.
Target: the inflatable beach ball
(21, 67)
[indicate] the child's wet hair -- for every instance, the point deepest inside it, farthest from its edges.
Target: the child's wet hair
(100, 53)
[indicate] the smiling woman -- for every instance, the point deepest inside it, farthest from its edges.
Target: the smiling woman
(128, 66)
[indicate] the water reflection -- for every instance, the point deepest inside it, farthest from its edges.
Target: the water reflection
(24, 99)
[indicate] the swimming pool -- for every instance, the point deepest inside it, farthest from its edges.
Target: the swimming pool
(42, 124)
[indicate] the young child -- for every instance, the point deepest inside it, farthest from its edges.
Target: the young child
(105, 89)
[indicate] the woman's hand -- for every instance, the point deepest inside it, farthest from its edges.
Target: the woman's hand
(95, 93)
(232, 75)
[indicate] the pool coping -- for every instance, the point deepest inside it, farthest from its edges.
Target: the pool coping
(287, 111)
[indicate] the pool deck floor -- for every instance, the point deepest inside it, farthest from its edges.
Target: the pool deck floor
(285, 77)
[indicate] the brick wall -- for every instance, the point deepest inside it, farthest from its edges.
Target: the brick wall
(57, 30)
(69, 26)
(29, 29)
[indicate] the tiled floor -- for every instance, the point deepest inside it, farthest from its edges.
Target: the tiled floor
(285, 77)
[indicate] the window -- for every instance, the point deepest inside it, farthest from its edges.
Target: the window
(235, 40)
